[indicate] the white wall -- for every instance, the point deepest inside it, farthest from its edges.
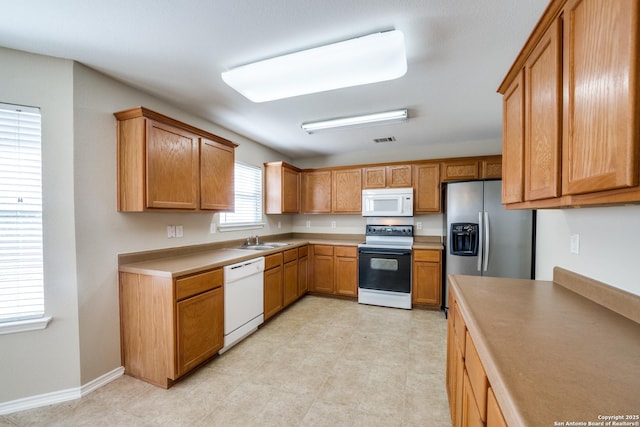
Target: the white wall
(608, 249)
(431, 225)
(39, 362)
(102, 233)
(83, 232)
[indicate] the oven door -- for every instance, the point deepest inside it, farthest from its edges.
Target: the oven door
(385, 269)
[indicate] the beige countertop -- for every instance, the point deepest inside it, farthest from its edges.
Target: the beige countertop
(180, 262)
(551, 354)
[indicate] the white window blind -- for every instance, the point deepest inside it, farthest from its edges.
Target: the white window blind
(21, 261)
(248, 197)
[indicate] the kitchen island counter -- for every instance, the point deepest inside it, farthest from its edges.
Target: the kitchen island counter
(552, 351)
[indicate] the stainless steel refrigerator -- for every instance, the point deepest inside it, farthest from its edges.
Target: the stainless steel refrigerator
(483, 238)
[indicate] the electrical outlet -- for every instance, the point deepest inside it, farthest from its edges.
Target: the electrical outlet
(212, 228)
(279, 224)
(308, 224)
(419, 225)
(179, 231)
(171, 231)
(575, 244)
(333, 224)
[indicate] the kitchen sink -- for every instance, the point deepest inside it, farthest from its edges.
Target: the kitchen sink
(263, 246)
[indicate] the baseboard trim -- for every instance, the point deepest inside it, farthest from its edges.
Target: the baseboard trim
(101, 380)
(60, 396)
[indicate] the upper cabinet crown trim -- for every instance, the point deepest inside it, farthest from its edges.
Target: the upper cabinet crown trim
(133, 113)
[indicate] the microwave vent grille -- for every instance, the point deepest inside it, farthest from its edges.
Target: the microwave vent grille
(385, 139)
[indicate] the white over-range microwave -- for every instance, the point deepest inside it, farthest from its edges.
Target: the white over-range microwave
(387, 202)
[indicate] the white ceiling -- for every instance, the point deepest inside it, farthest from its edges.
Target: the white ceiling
(458, 53)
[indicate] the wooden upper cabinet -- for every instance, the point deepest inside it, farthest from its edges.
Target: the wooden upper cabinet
(513, 142)
(542, 117)
(491, 168)
(172, 167)
(282, 188)
(600, 139)
(460, 169)
(427, 188)
(217, 162)
(316, 191)
(346, 196)
(392, 176)
(164, 164)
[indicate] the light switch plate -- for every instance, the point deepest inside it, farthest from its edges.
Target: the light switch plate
(575, 244)
(179, 231)
(171, 231)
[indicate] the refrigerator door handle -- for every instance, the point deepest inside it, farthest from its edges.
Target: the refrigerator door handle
(480, 241)
(487, 240)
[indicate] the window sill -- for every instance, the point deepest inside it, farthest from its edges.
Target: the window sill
(235, 227)
(24, 325)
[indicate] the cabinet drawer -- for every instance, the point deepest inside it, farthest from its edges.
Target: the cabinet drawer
(346, 251)
(426, 255)
(290, 255)
(194, 285)
(477, 377)
(303, 251)
(323, 250)
(271, 261)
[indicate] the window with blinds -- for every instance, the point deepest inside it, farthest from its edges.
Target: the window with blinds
(21, 261)
(248, 198)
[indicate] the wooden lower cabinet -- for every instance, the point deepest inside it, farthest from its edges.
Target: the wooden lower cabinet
(494, 414)
(427, 278)
(471, 398)
(285, 279)
(346, 270)
(169, 326)
(303, 270)
(273, 285)
(290, 276)
(334, 270)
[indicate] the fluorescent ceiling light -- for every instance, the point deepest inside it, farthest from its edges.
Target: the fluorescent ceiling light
(356, 121)
(368, 59)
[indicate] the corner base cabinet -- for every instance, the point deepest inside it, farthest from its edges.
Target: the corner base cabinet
(168, 325)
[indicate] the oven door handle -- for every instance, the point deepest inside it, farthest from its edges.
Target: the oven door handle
(385, 251)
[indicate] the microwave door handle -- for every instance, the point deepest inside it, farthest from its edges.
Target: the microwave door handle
(487, 240)
(480, 241)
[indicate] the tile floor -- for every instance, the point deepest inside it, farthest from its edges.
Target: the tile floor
(322, 362)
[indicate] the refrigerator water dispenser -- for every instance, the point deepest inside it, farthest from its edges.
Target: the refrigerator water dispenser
(464, 239)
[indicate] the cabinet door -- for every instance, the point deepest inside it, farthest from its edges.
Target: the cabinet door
(322, 269)
(513, 141)
(491, 168)
(199, 329)
(346, 196)
(470, 414)
(600, 140)
(427, 185)
(290, 191)
(216, 175)
(459, 170)
(427, 284)
(290, 276)
(494, 414)
(303, 271)
(543, 117)
(273, 291)
(374, 177)
(316, 192)
(399, 176)
(346, 271)
(172, 167)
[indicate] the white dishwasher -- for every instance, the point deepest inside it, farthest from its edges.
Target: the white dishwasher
(243, 300)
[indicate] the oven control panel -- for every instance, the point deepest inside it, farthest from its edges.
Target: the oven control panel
(390, 230)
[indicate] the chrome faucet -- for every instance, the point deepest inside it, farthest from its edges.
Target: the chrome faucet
(257, 240)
